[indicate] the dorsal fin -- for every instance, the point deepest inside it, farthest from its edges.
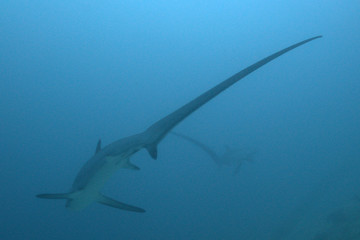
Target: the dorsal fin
(98, 146)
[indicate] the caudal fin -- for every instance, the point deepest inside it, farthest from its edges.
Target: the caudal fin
(156, 132)
(54, 196)
(116, 204)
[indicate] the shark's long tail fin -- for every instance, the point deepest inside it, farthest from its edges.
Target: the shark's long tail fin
(54, 196)
(158, 130)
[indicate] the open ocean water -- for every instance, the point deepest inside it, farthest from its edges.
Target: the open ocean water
(74, 72)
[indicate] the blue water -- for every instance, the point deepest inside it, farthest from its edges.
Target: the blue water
(72, 72)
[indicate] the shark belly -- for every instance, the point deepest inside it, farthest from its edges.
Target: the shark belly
(90, 192)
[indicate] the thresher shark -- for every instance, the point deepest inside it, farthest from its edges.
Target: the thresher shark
(107, 160)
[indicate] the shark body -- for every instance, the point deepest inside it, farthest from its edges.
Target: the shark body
(213, 155)
(106, 161)
(231, 157)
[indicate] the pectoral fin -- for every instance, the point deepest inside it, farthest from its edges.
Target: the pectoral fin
(54, 196)
(131, 166)
(116, 204)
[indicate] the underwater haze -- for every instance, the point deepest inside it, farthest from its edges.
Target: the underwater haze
(74, 72)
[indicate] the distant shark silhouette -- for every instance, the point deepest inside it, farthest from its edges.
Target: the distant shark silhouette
(230, 157)
(97, 170)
